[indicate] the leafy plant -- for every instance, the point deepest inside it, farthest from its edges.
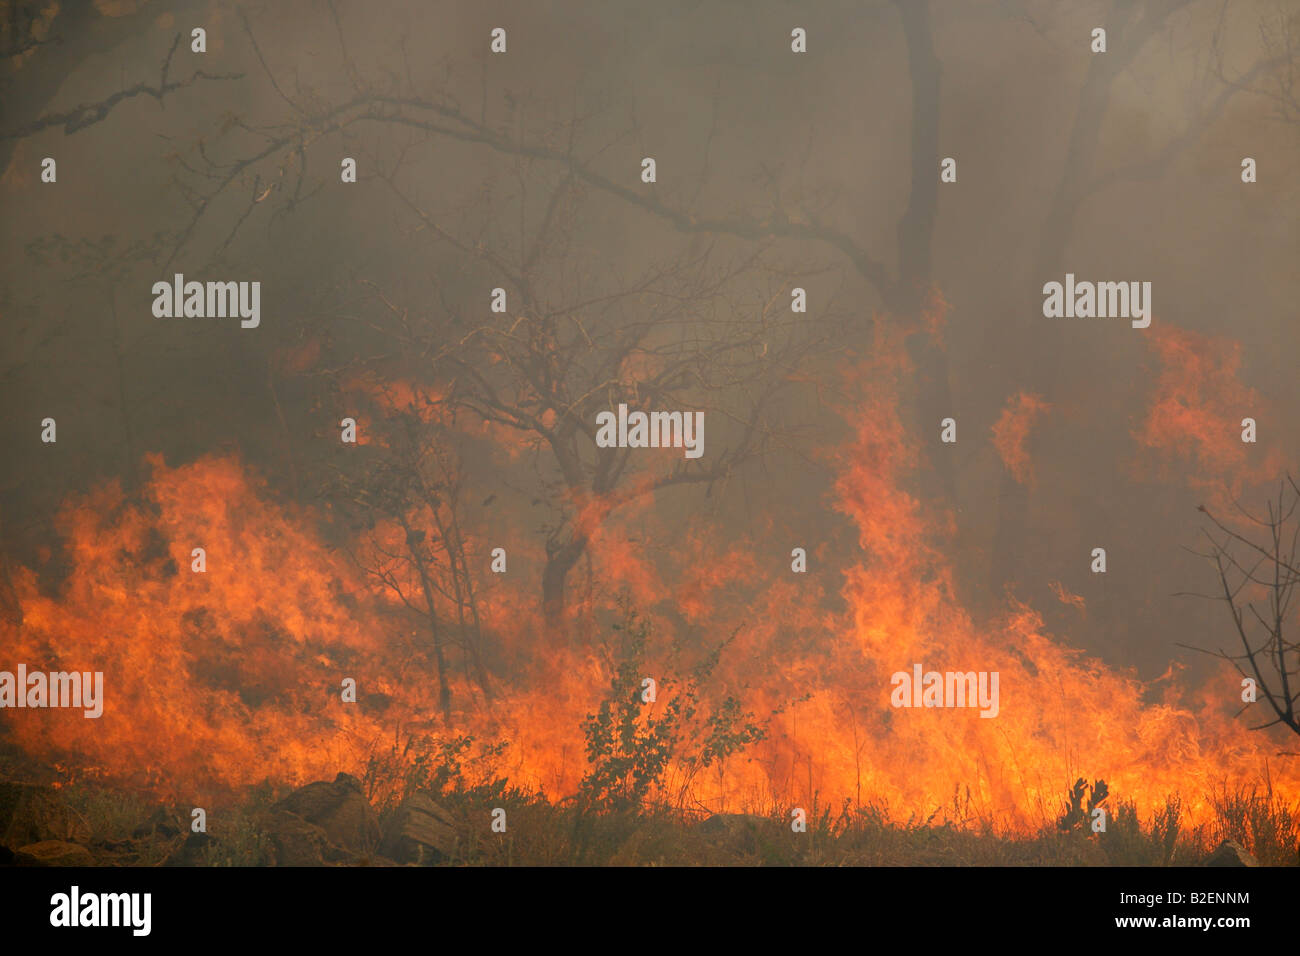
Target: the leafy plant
(631, 745)
(1081, 800)
(423, 762)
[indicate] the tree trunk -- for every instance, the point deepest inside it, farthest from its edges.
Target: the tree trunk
(559, 562)
(1039, 357)
(444, 688)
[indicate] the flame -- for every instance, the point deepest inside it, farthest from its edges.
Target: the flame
(1196, 416)
(220, 680)
(1011, 434)
(1063, 715)
(1068, 597)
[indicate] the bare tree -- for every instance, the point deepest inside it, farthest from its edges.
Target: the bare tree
(686, 334)
(690, 332)
(274, 157)
(40, 43)
(1279, 83)
(1134, 26)
(1267, 564)
(409, 501)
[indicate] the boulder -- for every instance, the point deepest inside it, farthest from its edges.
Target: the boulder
(294, 841)
(31, 813)
(339, 809)
(53, 853)
(1230, 853)
(420, 831)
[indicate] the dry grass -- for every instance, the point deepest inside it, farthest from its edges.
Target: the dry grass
(543, 833)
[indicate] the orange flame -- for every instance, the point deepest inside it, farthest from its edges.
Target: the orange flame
(1196, 416)
(219, 680)
(1011, 434)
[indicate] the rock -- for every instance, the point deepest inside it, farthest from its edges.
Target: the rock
(1230, 853)
(294, 841)
(53, 853)
(420, 831)
(339, 809)
(31, 813)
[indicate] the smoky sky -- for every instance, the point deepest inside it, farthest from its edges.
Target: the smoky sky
(740, 128)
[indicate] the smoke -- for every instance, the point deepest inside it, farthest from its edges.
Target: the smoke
(774, 170)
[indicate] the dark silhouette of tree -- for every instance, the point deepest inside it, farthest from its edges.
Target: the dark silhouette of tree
(1258, 573)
